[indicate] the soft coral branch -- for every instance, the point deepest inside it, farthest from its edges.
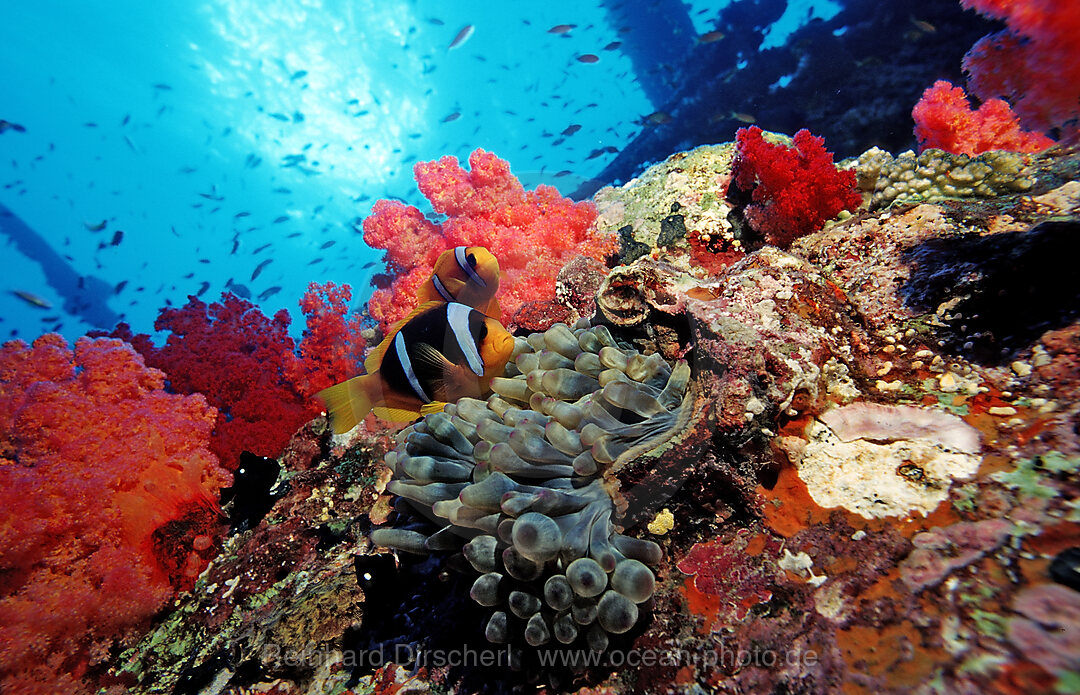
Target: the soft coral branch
(532, 233)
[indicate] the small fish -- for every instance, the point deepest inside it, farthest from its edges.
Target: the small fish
(268, 293)
(202, 289)
(436, 21)
(710, 37)
(923, 25)
(32, 299)
(468, 275)
(162, 86)
(131, 144)
(244, 213)
(613, 45)
(452, 117)
(117, 237)
(279, 116)
(440, 352)
(8, 125)
(327, 244)
(462, 36)
(297, 75)
(261, 248)
(658, 118)
(238, 290)
(282, 189)
(743, 117)
(259, 268)
(588, 58)
(120, 286)
(281, 218)
(571, 129)
(561, 28)
(96, 227)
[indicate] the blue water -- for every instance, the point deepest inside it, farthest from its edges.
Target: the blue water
(218, 135)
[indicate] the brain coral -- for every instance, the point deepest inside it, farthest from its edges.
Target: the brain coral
(521, 479)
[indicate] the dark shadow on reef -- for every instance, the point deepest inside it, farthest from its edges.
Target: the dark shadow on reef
(852, 79)
(1004, 290)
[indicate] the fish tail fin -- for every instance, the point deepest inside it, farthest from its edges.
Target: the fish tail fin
(349, 402)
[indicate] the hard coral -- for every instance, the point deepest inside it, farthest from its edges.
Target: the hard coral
(532, 233)
(794, 189)
(944, 120)
(1035, 63)
(96, 459)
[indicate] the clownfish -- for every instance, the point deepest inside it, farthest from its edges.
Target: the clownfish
(440, 352)
(468, 275)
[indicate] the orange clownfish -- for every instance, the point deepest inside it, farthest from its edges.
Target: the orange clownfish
(441, 352)
(468, 275)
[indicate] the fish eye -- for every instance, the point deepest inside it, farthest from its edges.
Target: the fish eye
(471, 258)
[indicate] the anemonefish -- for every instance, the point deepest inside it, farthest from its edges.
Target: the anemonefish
(468, 275)
(441, 352)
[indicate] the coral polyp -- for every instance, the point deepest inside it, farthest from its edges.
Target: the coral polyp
(517, 484)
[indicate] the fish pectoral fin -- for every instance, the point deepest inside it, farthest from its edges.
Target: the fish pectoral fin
(395, 414)
(433, 360)
(433, 407)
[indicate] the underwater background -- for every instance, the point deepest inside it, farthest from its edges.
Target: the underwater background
(175, 148)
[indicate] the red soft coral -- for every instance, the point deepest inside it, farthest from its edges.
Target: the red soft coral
(1035, 63)
(532, 233)
(95, 460)
(243, 362)
(332, 348)
(944, 119)
(794, 189)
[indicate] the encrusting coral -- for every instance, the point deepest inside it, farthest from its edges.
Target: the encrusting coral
(521, 477)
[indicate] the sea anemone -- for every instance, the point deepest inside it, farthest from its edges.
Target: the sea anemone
(517, 484)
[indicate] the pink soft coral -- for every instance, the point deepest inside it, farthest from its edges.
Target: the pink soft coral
(1035, 63)
(794, 189)
(532, 233)
(944, 119)
(96, 460)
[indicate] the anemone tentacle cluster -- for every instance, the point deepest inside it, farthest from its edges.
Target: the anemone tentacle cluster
(517, 484)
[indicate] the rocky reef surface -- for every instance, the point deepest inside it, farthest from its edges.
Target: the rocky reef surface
(871, 487)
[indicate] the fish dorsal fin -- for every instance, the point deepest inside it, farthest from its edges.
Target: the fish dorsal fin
(375, 357)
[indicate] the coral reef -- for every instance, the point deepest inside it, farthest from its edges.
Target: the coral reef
(107, 492)
(941, 332)
(532, 233)
(945, 121)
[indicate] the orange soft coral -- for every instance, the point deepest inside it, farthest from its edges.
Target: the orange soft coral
(95, 460)
(1035, 63)
(532, 233)
(945, 120)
